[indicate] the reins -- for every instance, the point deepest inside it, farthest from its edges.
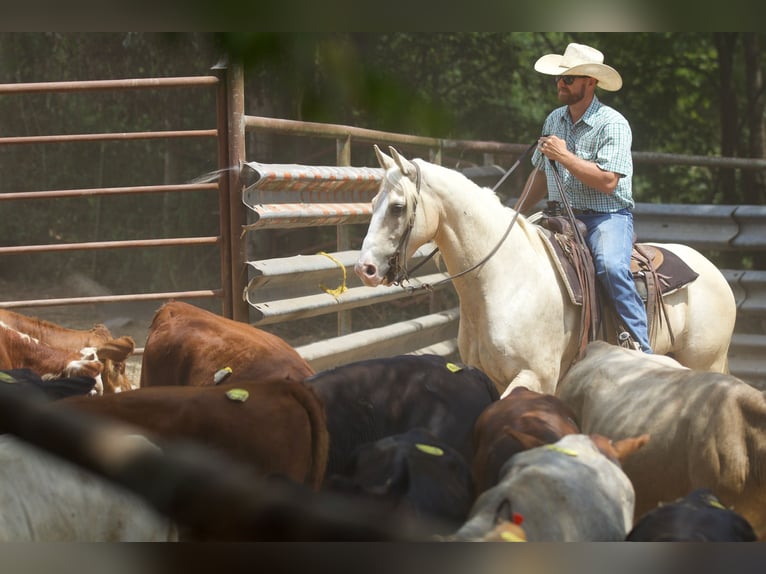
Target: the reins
(585, 276)
(403, 273)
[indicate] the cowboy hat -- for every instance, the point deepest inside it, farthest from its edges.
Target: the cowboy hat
(581, 60)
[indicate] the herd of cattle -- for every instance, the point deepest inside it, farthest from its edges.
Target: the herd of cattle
(631, 447)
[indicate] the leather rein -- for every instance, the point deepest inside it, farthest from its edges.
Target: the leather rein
(397, 270)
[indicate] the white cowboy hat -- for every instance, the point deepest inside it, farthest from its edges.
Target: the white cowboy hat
(581, 60)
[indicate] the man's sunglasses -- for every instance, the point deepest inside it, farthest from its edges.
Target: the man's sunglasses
(568, 80)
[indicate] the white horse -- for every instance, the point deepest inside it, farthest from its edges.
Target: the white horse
(517, 322)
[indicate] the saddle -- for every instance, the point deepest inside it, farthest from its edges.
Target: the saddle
(656, 272)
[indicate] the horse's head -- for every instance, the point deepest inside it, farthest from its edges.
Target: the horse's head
(392, 236)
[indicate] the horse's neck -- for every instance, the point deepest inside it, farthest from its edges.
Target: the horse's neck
(472, 222)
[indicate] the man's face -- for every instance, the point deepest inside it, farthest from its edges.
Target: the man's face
(572, 93)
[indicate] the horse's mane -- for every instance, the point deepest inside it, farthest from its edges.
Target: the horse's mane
(464, 180)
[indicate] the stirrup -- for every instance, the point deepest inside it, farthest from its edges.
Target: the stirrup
(626, 340)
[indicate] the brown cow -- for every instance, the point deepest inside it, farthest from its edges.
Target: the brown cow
(56, 335)
(51, 350)
(522, 420)
(277, 428)
(187, 345)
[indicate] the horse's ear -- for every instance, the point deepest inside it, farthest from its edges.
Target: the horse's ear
(404, 165)
(385, 161)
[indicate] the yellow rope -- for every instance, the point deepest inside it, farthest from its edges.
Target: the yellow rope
(340, 288)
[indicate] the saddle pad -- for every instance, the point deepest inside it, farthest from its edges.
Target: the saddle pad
(561, 262)
(674, 273)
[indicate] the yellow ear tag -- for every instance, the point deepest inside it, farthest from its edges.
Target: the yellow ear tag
(240, 395)
(6, 378)
(511, 537)
(453, 368)
(428, 449)
(567, 451)
(716, 504)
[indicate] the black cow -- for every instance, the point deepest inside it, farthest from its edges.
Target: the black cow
(28, 381)
(412, 472)
(375, 398)
(697, 517)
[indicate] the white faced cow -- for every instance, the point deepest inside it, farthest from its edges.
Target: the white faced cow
(568, 491)
(44, 498)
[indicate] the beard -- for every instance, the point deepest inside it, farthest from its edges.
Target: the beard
(568, 96)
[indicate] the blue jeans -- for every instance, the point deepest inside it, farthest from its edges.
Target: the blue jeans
(610, 240)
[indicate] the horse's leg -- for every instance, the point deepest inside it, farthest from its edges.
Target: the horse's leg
(525, 378)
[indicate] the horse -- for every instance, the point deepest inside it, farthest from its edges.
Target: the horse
(516, 320)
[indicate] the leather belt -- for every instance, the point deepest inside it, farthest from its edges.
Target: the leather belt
(586, 212)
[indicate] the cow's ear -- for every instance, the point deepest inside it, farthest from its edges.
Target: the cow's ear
(627, 446)
(618, 451)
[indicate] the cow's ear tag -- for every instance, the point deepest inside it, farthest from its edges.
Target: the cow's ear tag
(429, 449)
(511, 537)
(566, 451)
(240, 395)
(453, 368)
(221, 375)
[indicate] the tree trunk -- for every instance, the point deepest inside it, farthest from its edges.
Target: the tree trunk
(753, 181)
(725, 43)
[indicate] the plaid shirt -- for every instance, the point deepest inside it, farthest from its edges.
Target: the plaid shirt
(603, 136)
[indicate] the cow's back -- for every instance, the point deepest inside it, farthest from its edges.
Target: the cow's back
(47, 499)
(706, 428)
(369, 400)
(566, 492)
(276, 427)
(187, 345)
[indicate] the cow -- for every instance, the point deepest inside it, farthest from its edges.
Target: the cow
(188, 345)
(279, 429)
(371, 399)
(521, 420)
(27, 381)
(45, 498)
(53, 351)
(56, 335)
(707, 429)
(697, 517)
(568, 491)
(414, 472)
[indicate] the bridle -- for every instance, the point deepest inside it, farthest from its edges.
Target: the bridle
(397, 265)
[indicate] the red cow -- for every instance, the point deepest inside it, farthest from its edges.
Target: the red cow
(522, 420)
(51, 350)
(56, 335)
(188, 345)
(277, 428)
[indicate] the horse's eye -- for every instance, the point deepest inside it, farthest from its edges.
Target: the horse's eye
(397, 208)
